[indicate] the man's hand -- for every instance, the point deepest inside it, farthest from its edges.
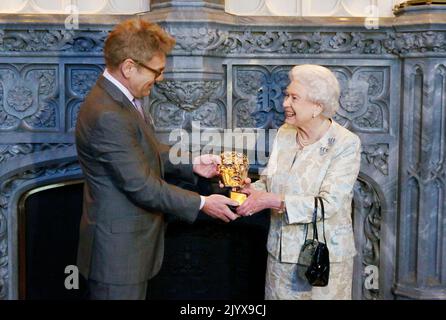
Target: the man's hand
(206, 165)
(216, 206)
(246, 184)
(258, 201)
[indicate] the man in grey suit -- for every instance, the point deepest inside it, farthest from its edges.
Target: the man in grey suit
(125, 197)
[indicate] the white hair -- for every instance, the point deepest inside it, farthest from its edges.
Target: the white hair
(321, 84)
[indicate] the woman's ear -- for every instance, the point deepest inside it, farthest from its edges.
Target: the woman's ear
(317, 110)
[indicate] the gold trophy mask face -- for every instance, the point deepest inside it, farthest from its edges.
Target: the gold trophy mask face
(233, 171)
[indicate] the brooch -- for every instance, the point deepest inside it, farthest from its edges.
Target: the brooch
(324, 150)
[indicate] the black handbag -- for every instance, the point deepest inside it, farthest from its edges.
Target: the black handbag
(314, 257)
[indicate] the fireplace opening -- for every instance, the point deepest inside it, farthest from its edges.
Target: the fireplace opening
(212, 260)
(49, 220)
(204, 260)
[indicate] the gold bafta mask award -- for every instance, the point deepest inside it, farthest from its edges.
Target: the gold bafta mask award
(233, 171)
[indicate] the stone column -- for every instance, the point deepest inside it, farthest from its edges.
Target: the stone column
(420, 39)
(194, 87)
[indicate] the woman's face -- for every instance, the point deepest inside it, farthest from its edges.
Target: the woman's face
(298, 110)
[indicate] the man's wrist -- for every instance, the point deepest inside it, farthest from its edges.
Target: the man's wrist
(202, 201)
(281, 208)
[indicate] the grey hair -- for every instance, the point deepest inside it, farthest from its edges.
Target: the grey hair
(321, 84)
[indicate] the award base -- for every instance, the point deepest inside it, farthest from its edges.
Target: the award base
(236, 196)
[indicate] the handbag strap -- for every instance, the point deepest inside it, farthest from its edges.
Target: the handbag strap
(312, 220)
(323, 217)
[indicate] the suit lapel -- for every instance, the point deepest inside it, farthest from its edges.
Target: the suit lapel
(119, 97)
(122, 100)
(114, 92)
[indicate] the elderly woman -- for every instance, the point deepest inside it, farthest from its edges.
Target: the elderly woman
(312, 156)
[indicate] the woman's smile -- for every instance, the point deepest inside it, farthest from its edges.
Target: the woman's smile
(289, 113)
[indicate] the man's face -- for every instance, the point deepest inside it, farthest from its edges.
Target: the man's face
(144, 74)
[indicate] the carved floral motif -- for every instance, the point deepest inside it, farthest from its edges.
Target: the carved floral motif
(368, 208)
(364, 98)
(12, 40)
(177, 103)
(8, 151)
(188, 95)
(20, 98)
(28, 98)
(377, 155)
(82, 79)
(225, 41)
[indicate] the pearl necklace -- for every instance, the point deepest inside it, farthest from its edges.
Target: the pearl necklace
(303, 144)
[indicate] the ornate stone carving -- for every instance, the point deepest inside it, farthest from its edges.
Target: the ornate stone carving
(81, 79)
(8, 151)
(244, 112)
(364, 98)
(28, 98)
(3, 253)
(198, 39)
(45, 117)
(258, 96)
(227, 42)
(249, 81)
(188, 95)
(369, 210)
(415, 42)
(20, 98)
(209, 115)
(377, 155)
(177, 103)
(207, 40)
(7, 189)
(60, 40)
(169, 115)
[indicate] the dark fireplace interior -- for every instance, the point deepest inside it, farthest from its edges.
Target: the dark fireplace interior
(204, 260)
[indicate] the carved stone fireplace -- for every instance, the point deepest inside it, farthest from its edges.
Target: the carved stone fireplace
(393, 96)
(204, 260)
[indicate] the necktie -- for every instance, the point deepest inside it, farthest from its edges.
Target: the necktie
(138, 105)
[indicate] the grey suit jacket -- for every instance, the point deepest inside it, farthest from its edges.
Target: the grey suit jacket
(121, 239)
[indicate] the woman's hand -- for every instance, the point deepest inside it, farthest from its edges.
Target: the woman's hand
(258, 201)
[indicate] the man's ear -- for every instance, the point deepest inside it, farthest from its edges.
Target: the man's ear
(127, 68)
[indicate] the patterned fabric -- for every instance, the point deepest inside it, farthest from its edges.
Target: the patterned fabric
(284, 283)
(327, 168)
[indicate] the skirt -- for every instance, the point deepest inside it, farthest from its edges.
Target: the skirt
(283, 282)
